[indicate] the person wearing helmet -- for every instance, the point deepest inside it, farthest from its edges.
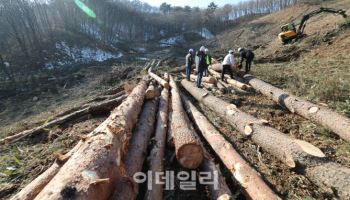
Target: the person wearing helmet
(227, 64)
(201, 66)
(207, 61)
(246, 55)
(189, 63)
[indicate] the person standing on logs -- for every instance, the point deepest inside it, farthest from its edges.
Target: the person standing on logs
(189, 63)
(207, 61)
(201, 65)
(227, 64)
(248, 56)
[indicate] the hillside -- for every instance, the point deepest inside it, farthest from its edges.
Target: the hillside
(261, 148)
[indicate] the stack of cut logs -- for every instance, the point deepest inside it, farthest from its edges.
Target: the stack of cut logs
(103, 163)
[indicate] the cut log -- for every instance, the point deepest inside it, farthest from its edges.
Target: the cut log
(318, 114)
(170, 138)
(232, 82)
(214, 61)
(30, 191)
(156, 157)
(218, 67)
(247, 177)
(208, 79)
(150, 92)
(178, 69)
(221, 87)
(283, 147)
(166, 77)
(187, 148)
(94, 108)
(161, 81)
(126, 188)
(93, 170)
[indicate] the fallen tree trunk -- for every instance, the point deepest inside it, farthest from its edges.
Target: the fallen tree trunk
(324, 116)
(94, 108)
(92, 171)
(30, 191)
(161, 81)
(166, 77)
(230, 81)
(156, 157)
(247, 177)
(292, 152)
(150, 92)
(219, 190)
(187, 147)
(126, 188)
(209, 79)
(178, 69)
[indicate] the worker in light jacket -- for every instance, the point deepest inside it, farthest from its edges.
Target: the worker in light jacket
(227, 64)
(189, 63)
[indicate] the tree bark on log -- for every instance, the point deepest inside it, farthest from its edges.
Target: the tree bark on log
(94, 108)
(230, 81)
(247, 177)
(187, 148)
(161, 81)
(92, 171)
(150, 92)
(30, 191)
(218, 67)
(156, 157)
(321, 115)
(292, 152)
(166, 77)
(208, 79)
(126, 188)
(178, 69)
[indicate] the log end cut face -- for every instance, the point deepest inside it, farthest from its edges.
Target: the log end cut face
(190, 156)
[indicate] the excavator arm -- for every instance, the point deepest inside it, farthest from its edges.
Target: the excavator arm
(316, 12)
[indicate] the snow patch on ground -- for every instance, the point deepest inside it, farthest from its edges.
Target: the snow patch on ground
(205, 33)
(171, 41)
(76, 55)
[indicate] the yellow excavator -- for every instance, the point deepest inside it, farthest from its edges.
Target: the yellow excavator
(290, 33)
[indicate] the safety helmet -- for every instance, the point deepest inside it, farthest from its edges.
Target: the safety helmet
(190, 51)
(202, 48)
(240, 49)
(230, 51)
(206, 50)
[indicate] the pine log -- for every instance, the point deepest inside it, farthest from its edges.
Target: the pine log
(218, 67)
(156, 157)
(161, 81)
(247, 177)
(170, 138)
(294, 153)
(126, 188)
(221, 87)
(30, 191)
(187, 147)
(150, 92)
(208, 79)
(93, 170)
(232, 82)
(178, 69)
(93, 108)
(318, 114)
(214, 61)
(166, 77)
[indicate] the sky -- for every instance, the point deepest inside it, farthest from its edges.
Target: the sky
(192, 3)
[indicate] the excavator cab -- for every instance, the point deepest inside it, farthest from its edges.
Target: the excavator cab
(288, 33)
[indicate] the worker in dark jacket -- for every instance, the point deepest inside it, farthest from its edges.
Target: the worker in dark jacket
(201, 65)
(189, 63)
(207, 61)
(248, 56)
